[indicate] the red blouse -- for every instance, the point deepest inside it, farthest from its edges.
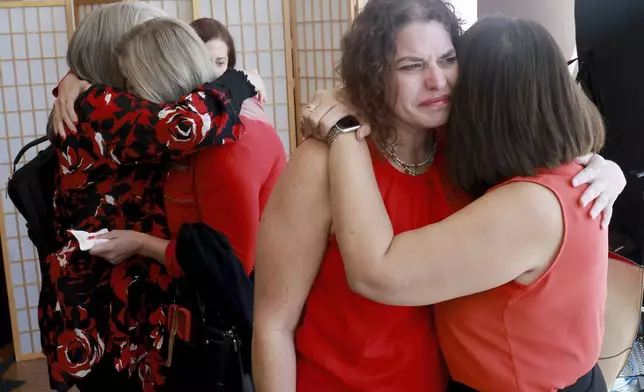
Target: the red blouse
(88, 307)
(542, 336)
(347, 343)
(227, 188)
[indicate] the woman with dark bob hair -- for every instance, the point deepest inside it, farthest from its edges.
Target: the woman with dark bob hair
(219, 42)
(513, 312)
(324, 318)
(221, 49)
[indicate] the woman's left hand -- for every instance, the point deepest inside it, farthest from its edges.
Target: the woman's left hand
(256, 80)
(605, 182)
(121, 245)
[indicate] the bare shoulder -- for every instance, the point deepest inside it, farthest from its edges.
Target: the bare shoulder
(304, 180)
(529, 205)
(308, 165)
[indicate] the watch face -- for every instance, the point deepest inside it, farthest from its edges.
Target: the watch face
(348, 124)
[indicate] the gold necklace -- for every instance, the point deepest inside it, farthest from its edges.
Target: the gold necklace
(413, 169)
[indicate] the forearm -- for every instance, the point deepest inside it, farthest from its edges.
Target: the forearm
(153, 248)
(144, 131)
(274, 364)
(361, 221)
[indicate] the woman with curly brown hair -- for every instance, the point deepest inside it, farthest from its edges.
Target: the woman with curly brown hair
(307, 319)
(313, 331)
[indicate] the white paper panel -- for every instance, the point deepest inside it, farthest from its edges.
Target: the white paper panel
(257, 28)
(33, 45)
(181, 9)
(320, 25)
(83, 10)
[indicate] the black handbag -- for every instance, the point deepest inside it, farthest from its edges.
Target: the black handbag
(210, 324)
(211, 360)
(31, 189)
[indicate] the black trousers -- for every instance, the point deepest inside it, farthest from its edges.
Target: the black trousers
(105, 378)
(593, 381)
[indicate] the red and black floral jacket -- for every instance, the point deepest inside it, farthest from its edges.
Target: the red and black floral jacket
(111, 175)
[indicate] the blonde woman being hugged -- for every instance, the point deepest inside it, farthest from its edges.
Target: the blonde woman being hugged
(225, 188)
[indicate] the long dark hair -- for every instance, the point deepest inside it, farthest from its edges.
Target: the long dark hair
(516, 107)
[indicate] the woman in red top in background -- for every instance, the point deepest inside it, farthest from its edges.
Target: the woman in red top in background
(312, 332)
(227, 189)
(522, 269)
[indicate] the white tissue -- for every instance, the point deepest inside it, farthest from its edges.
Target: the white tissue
(84, 241)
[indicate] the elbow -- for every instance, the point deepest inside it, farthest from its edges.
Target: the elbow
(371, 284)
(385, 286)
(363, 288)
(266, 333)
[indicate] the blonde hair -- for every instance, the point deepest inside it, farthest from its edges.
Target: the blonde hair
(90, 54)
(164, 59)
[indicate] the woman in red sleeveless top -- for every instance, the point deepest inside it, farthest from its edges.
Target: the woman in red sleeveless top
(312, 331)
(519, 275)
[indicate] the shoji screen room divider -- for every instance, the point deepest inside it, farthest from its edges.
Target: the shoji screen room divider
(294, 44)
(33, 43)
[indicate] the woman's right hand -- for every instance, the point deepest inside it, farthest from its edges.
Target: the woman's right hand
(324, 110)
(64, 114)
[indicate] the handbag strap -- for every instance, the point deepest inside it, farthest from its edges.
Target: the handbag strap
(27, 146)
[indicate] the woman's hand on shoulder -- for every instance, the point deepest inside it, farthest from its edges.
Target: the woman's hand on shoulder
(257, 81)
(605, 180)
(324, 110)
(64, 114)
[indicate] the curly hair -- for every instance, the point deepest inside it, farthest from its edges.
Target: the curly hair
(369, 48)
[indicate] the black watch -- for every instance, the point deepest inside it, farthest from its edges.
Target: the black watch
(347, 124)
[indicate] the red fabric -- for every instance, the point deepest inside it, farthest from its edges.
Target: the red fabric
(542, 336)
(227, 188)
(88, 307)
(348, 343)
(612, 255)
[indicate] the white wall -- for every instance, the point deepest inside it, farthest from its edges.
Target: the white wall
(556, 15)
(467, 10)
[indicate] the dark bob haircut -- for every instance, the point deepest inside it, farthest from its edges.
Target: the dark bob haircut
(209, 29)
(516, 107)
(369, 50)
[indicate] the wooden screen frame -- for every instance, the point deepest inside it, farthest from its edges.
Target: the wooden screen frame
(20, 355)
(354, 6)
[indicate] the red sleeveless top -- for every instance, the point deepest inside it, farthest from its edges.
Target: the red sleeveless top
(542, 336)
(347, 343)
